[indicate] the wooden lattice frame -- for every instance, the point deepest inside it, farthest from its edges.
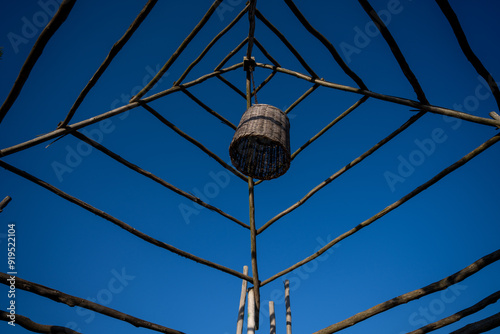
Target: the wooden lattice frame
(141, 100)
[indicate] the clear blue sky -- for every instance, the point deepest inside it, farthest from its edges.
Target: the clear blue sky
(439, 232)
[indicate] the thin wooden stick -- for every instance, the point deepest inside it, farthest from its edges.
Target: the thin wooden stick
(241, 307)
(467, 50)
(120, 223)
(4, 202)
(300, 99)
(288, 308)
(50, 29)
(251, 30)
(109, 58)
(480, 326)
(265, 53)
(231, 54)
(72, 301)
(415, 294)
(272, 318)
(233, 87)
(195, 142)
(391, 207)
(177, 52)
(212, 43)
(398, 100)
(396, 51)
(344, 169)
(153, 177)
(210, 111)
(76, 126)
(32, 326)
(326, 43)
(332, 123)
(459, 315)
(253, 250)
(287, 43)
(251, 328)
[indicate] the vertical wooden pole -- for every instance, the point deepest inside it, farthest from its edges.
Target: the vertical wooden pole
(288, 309)
(272, 317)
(251, 312)
(253, 249)
(241, 309)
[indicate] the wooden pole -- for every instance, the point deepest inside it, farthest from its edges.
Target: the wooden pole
(415, 294)
(4, 202)
(251, 312)
(241, 308)
(288, 308)
(272, 317)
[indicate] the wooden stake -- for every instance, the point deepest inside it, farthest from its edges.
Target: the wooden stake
(272, 317)
(253, 250)
(481, 326)
(241, 308)
(251, 312)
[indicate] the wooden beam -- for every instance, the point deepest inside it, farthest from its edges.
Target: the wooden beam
(241, 307)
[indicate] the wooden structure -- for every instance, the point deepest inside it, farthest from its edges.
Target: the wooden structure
(142, 100)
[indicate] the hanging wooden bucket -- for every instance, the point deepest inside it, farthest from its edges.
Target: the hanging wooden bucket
(261, 145)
